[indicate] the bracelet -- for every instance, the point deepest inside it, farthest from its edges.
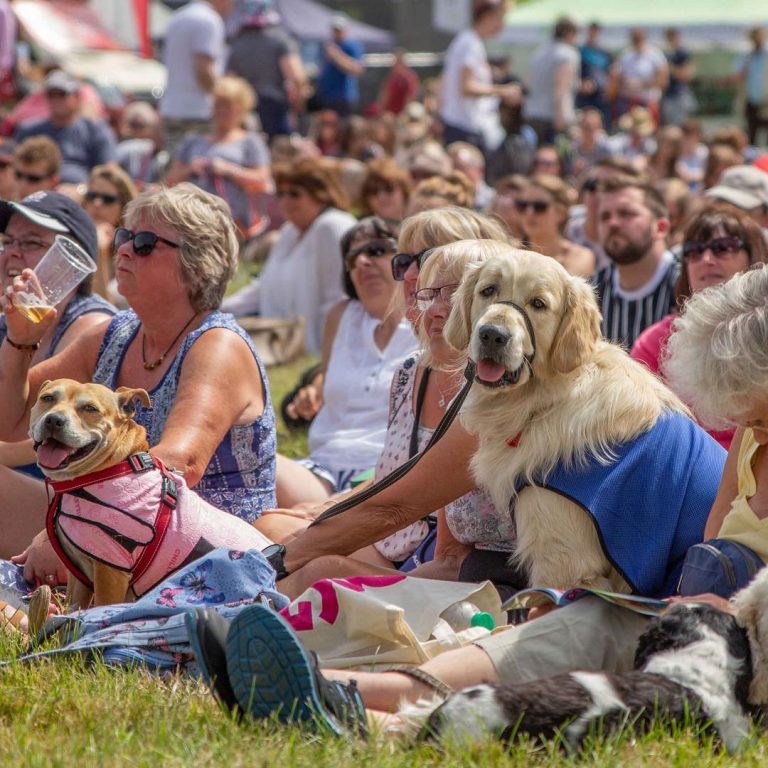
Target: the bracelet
(23, 347)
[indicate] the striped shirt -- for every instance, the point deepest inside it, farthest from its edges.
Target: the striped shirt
(626, 314)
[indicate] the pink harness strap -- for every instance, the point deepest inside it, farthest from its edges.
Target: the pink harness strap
(110, 524)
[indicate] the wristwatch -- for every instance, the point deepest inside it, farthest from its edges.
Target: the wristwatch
(274, 554)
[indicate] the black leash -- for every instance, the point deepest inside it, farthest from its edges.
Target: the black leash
(395, 475)
(441, 429)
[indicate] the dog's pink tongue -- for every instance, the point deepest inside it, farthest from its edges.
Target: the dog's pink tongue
(487, 370)
(51, 453)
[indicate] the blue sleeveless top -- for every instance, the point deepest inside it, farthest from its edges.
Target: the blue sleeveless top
(77, 307)
(240, 478)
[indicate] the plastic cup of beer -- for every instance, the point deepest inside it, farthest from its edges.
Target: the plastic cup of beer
(63, 267)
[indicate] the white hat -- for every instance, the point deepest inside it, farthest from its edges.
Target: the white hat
(744, 186)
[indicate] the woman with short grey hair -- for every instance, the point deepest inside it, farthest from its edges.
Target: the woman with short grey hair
(211, 416)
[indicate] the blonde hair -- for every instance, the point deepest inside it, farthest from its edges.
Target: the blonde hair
(208, 244)
(447, 264)
(441, 226)
(236, 90)
(717, 355)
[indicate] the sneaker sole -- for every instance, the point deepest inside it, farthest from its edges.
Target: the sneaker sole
(270, 672)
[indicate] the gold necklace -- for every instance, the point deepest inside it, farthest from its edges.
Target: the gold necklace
(151, 366)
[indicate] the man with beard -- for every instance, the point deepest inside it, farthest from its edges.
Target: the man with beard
(637, 288)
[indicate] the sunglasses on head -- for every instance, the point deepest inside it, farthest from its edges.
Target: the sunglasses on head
(402, 261)
(105, 198)
(538, 206)
(721, 247)
(143, 242)
(32, 178)
(376, 249)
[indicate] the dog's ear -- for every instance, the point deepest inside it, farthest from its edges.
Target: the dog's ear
(126, 397)
(579, 329)
(458, 328)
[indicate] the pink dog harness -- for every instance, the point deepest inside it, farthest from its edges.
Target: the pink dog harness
(139, 517)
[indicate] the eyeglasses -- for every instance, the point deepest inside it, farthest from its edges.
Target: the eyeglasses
(292, 192)
(590, 185)
(376, 249)
(27, 245)
(402, 261)
(91, 197)
(538, 206)
(720, 247)
(426, 296)
(32, 178)
(4, 164)
(143, 242)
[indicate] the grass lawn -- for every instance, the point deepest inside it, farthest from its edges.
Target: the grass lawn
(67, 713)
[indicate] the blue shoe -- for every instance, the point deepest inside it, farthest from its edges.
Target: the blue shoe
(207, 631)
(272, 675)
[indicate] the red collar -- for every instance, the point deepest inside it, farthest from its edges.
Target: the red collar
(513, 442)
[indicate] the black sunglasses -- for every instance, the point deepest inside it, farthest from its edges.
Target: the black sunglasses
(143, 242)
(105, 198)
(721, 247)
(538, 206)
(376, 250)
(32, 178)
(590, 185)
(401, 262)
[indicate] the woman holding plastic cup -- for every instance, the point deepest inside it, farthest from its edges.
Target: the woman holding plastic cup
(27, 230)
(211, 416)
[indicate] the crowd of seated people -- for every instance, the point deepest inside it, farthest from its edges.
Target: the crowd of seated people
(367, 226)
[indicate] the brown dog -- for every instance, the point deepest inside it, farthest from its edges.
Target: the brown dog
(119, 520)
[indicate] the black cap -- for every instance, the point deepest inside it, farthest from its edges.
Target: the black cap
(56, 212)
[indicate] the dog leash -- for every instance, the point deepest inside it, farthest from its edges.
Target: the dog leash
(442, 428)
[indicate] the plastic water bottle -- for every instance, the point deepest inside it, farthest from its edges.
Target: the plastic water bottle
(463, 615)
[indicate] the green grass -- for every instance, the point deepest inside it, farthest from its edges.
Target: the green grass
(65, 712)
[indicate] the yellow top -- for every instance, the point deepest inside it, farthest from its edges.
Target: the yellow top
(741, 524)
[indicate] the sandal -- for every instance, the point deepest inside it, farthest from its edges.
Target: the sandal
(12, 619)
(272, 674)
(207, 631)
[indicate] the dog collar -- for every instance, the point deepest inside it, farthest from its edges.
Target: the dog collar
(513, 442)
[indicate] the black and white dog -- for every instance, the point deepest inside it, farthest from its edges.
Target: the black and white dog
(693, 664)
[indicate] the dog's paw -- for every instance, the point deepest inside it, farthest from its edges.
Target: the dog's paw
(410, 720)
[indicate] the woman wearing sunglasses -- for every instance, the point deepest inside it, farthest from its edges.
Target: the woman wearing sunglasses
(543, 209)
(110, 189)
(718, 243)
(211, 416)
(366, 337)
(303, 272)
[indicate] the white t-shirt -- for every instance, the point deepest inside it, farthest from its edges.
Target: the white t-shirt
(195, 29)
(540, 102)
(638, 67)
(479, 114)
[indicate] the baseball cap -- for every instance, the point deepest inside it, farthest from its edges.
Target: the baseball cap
(339, 21)
(56, 212)
(59, 80)
(744, 186)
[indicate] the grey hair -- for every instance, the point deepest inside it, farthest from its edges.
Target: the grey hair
(717, 355)
(208, 242)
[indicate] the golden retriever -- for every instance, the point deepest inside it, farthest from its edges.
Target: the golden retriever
(548, 390)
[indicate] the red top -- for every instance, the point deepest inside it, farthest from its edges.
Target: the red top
(650, 348)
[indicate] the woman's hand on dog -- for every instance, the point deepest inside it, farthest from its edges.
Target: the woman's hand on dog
(21, 329)
(721, 603)
(41, 562)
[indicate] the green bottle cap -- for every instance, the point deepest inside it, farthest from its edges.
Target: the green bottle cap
(482, 619)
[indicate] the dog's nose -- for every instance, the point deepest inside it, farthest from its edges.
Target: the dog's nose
(54, 421)
(493, 335)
